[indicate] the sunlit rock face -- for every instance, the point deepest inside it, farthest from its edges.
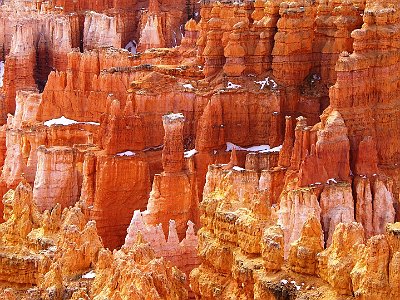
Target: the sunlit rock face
(336, 262)
(41, 242)
(50, 250)
(182, 253)
(303, 252)
(135, 272)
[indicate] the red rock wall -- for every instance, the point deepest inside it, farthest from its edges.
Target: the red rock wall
(111, 200)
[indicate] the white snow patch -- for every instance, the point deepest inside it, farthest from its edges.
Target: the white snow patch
(126, 153)
(284, 281)
(175, 116)
(274, 84)
(233, 86)
(275, 149)
(260, 148)
(267, 82)
(298, 287)
(236, 168)
(60, 121)
(89, 275)
(1, 73)
(331, 180)
(64, 121)
(262, 83)
(190, 153)
(231, 146)
(188, 86)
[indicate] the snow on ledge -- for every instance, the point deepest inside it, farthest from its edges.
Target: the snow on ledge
(237, 168)
(331, 180)
(275, 149)
(233, 86)
(260, 148)
(126, 153)
(267, 82)
(188, 86)
(65, 122)
(298, 287)
(89, 275)
(231, 146)
(190, 153)
(174, 116)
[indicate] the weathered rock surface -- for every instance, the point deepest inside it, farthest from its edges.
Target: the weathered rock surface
(50, 250)
(174, 195)
(303, 252)
(234, 219)
(34, 243)
(136, 273)
(336, 262)
(56, 179)
(111, 200)
(182, 253)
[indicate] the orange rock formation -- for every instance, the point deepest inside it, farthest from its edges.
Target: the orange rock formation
(136, 273)
(44, 247)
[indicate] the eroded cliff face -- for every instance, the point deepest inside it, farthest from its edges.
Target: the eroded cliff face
(53, 252)
(44, 249)
(52, 29)
(362, 268)
(321, 178)
(234, 217)
(135, 273)
(243, 252)
(182, 253)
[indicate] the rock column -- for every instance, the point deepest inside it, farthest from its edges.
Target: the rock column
(173, 195)
(172, 155)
